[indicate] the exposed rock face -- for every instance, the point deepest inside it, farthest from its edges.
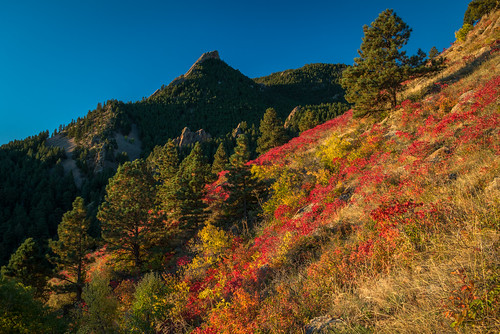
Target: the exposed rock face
(205, 56)
(291, 116)
(188, 137)
(238, 131)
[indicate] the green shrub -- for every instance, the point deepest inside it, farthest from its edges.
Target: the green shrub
(462, 33)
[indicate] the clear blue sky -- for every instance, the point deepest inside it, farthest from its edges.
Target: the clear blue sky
(59, 58)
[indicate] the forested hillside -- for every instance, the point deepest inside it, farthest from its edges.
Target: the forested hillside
(213, 96)
(382, 218)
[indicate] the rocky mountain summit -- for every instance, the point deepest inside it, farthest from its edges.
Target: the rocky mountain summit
(207, 55)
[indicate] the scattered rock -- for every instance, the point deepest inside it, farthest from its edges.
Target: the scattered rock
(188, 137)
(438, 155)
(323, 324)
(390, 134)
(493, 189)
(291, 116)
(462, 100)
(303, 210)
(465, 97)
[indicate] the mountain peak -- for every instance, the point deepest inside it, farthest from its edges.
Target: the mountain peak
(207, 55)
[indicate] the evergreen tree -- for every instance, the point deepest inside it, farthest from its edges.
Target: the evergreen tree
(307, 121)
(29, 266)
(477, 8)
(433, 53)
(185, 201)
(127, 226)
(165, 164)
(377, 75)
(220, 160)
(272, 132)
(72, 247)
(243, 189)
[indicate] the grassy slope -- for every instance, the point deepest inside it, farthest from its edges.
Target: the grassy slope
(388, 225)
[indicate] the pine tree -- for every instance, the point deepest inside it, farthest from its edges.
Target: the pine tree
(72, 246)
(220, 160)
(376, 77)
(165, 163)
(185, 202)
(272, 132)
(128, 229)
(29, 266)
(433, 53)
(242, 187)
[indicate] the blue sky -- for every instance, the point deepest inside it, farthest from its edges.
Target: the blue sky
(60, 58)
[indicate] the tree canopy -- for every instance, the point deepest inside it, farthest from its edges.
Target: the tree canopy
(376, 77)
(126, 222)
(73, 245)
(272, 132)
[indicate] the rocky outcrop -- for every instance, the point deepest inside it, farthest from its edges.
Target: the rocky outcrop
(205, 56)
(291, 116)
(238, 131)
(188, 137)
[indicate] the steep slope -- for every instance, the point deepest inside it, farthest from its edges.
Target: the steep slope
(372, 225)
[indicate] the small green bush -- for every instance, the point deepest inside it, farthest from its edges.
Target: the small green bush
(462, 33)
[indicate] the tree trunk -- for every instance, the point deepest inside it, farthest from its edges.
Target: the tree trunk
(137, 256)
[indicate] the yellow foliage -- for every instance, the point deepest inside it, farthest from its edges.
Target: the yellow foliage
(333, 148)
(286, 190)
(284, 246)
(212, 244)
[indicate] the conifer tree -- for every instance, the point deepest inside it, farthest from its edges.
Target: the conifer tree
(29, 266)
(165, 164)
(272, 132)
(220, 160)
(242, 187)
(184, 202)
(377, 74)
(127, 226)
(72, 246)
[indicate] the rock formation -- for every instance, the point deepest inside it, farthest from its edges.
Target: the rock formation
(238, 131)
(188, 137)
(291, 116)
